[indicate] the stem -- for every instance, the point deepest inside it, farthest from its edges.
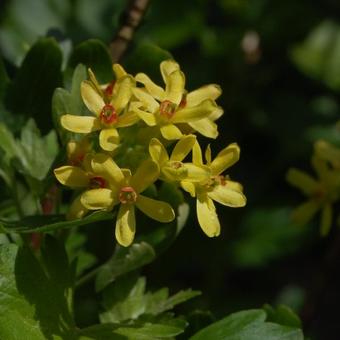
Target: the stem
(87, 277)
(16, 198)
(130, 20)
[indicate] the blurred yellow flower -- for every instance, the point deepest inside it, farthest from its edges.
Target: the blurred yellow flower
(215, 188)
(166, 108)
(321, 192)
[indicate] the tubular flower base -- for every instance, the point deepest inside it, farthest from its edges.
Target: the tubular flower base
(107, 181)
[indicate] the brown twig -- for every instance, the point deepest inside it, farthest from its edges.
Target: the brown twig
(130, 20)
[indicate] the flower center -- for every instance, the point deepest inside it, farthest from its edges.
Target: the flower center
(216, 180)
(176, 164)
(167, 108)
(108, 114)
(127, 195)
(97, 182)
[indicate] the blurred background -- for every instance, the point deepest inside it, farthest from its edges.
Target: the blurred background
(278, 64)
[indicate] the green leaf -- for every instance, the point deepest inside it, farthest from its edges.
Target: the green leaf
(35, 81)
(37, 153)
(8, 143)
(126, 299)
(153, 331)
(75, 246)
(282, 315)
(35, 295)
(124, 260)
(165, 328)
(146, 57)
(48, 223)
(64, 101)
(94, 54)
(247, 325)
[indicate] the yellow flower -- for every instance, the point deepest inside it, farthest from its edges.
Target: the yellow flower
(168, 107)
(77, 150)
(124, 189)
(108, 116)
(172, 169)
(321, 193)
(78, 177)
(107, 90)
(216, 188)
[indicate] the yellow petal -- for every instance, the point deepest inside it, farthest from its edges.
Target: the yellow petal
(217, 113)
(305, 212)
(109, 139)
(326, 219)
(127, 119)
(207, 154)
(189, 187)
(205, 127)
(182, 148)
(80, 124)
(103, 165)
(171, 132)
(147, 117)
(190, 114)
(95, 82)
(158, 152)
(149, 103)
(168, 66)
(124, 91)
(225, 159)
(155, 90)
(126, 225)
(211, 91)
(77, 210)
(228, 196)
(102, 198)
(206, 215)
(174, 174)
(320, 167)
(145, 175)
(92, 99)
(175, 87)
(118, 71)
(328, 152)
(197, 158)
(157, 210)
(301, 180)
(197, 173)
(72, 176)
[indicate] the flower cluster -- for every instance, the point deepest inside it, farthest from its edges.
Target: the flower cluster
(124, 149)
(322, 192)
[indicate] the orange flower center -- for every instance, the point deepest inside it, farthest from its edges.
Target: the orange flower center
(167, 108)
(108, 114)
(97, 182)
(127, 195)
